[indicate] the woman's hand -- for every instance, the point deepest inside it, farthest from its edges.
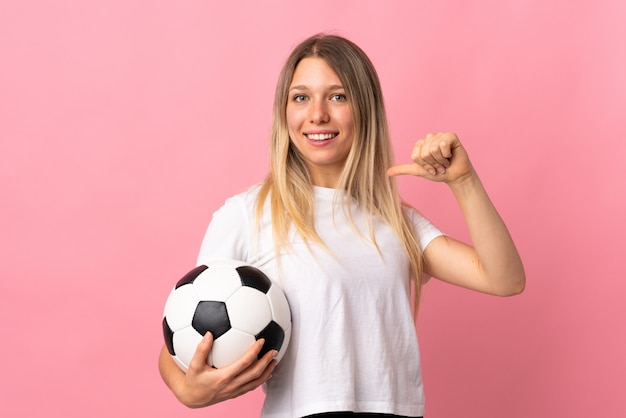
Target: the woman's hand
(437, 157)
(491, 264)
(203, 385)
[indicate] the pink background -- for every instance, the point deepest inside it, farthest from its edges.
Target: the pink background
(124, 124)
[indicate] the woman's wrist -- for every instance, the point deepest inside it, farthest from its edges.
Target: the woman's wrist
(464, 184)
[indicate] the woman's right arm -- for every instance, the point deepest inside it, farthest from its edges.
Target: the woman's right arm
(203, 385)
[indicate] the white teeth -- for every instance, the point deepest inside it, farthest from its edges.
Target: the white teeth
(320, 137)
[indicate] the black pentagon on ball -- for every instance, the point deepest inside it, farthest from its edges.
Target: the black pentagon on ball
(211, 316)
(191, 276)
(274, 337)
(255, 278)
(169, 337)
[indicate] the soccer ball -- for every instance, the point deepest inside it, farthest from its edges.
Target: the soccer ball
(233, 300)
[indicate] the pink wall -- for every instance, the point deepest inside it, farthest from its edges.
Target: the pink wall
(124, 124)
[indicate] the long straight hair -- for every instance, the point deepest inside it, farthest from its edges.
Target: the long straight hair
(364, 178)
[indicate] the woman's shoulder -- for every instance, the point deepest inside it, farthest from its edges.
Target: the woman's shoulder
(413, 214)
(426, 230)
(246, 198)
(238, 209)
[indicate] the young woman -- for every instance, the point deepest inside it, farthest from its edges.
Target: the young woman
(328, 225)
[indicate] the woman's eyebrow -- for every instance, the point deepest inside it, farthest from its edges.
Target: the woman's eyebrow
(302, 87)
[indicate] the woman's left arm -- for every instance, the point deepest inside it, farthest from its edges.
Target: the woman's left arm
(492, 264)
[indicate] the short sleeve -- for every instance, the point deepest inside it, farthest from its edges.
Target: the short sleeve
(426, 231)
(227, 236)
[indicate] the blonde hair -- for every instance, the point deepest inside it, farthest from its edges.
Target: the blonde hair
(364, 178)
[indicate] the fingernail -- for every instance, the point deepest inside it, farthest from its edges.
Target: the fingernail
(274, 353)
(441, 169)
(432, 171)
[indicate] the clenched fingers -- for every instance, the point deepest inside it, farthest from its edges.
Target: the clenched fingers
(437, 157)
(434, 152)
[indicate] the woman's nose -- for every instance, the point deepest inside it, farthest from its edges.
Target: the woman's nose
(319, 112)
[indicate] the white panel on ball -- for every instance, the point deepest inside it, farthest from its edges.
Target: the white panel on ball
(180, 307)
(249, 310)
(185, 343)
(230, 347)
(180, 364)
(217, 283)
(279, 306)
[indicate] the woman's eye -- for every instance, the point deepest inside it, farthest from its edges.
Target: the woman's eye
(339, 97)
(299, 98)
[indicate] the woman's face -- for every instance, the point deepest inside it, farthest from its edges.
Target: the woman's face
(319, 119)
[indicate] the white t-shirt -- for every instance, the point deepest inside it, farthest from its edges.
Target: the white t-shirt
(353, 345)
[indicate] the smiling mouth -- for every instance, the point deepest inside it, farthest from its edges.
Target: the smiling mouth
(321, 137)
